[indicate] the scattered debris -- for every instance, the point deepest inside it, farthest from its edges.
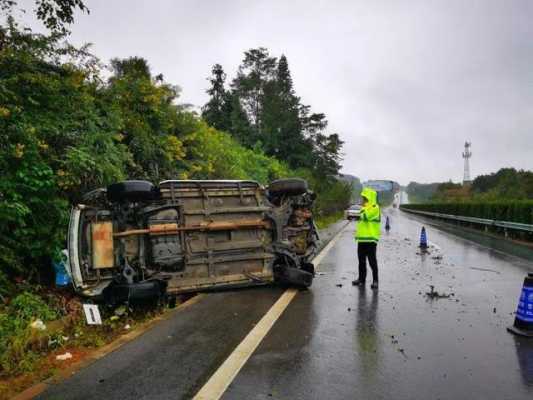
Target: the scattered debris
(437, 257)
(403, 352)
(127, 326)
(38, 324)
(63, 357)
(433, 294)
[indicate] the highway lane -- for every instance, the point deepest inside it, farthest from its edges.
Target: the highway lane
(343, 342)
(336, 342)
(172, 360)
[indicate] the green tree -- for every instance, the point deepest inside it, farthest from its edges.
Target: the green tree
(217, 111)
(283, 133)
(255, 72)
(55, 14)
(148, 118)
(56, 140)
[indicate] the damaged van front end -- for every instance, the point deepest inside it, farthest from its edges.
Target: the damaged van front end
(135, 240)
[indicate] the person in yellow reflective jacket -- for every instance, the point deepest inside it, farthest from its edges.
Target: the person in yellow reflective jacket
(367, 235)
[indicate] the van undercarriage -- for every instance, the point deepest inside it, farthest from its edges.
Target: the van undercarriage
(135, 240)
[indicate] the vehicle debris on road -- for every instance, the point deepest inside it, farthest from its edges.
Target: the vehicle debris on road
(433, 294)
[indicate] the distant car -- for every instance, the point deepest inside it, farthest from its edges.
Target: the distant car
(354, 212)
(138, 240)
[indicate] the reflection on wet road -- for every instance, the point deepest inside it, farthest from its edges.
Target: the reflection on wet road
(344, 342)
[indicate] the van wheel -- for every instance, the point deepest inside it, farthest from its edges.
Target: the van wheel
(132, 191)
(290, 187)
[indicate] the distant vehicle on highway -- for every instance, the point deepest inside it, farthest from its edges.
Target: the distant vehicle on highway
(136, 240)
(354, 212)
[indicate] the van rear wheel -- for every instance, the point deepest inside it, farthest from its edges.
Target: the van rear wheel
(132, 191)
(290, 187)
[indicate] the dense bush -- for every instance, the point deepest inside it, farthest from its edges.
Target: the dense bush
(15, 331)
(513, 211)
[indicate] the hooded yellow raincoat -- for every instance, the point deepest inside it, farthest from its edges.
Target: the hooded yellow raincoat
(369, 225)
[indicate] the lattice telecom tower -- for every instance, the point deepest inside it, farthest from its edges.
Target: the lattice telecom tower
(466, 155)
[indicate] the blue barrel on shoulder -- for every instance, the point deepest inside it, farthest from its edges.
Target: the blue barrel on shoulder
(60, 268)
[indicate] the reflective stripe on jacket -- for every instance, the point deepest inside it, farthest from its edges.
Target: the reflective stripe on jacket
(368, 228)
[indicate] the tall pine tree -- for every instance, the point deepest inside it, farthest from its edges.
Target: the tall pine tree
(263, 109)
(256, 72)
(217, 111)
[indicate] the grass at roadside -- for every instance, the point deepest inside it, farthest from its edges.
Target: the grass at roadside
(325, 221)
(36, 325)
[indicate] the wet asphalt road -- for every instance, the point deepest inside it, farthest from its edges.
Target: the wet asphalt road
(343, 342)
(347, 343)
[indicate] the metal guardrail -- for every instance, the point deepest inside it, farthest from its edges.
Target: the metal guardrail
(482, 221)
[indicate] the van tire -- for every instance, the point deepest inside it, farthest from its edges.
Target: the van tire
(290, 187)
(295, 277)
(132, 191)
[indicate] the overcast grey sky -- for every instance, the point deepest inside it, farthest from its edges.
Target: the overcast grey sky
(403, 82)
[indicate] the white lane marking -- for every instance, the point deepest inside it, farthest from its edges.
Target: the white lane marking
(221, 379)
(215, 387)
(318, 259)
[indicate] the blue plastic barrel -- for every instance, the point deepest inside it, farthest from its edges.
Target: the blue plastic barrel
(62, 276)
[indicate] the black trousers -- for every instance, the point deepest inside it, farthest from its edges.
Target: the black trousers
(364, 251)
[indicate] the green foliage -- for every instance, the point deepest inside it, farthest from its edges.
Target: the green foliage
(507, 183)
(15, 331)
(217, 111)
(54, 14)
(56, 141)
(216, 155)
(505, 210)
(262, 109)
(263, 112)
(324, 222)
(64, 130)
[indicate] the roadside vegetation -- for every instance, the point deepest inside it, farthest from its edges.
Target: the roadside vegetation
(66, 129)
(505, 184)
(508, 210)
(68, 126)
(506, 195)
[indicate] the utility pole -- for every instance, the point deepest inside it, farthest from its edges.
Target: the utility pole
(466, 155)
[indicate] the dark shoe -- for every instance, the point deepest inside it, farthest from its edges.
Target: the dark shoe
(374, 285)
(358, 283)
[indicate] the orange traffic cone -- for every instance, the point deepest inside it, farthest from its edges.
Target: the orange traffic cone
(523, 322)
